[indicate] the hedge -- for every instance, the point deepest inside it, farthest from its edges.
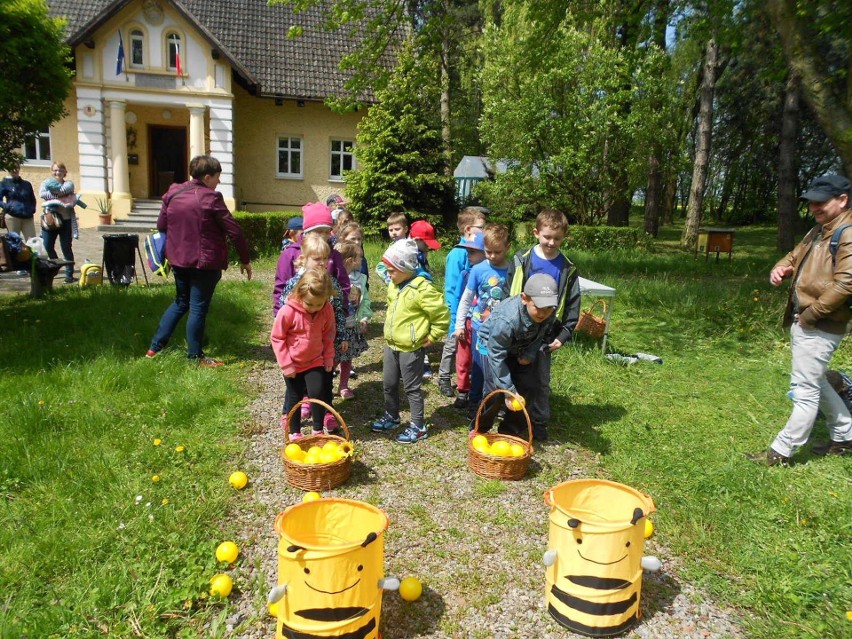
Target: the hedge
(263, 231)
(602, 238)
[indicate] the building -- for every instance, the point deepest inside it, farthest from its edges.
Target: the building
(223, 77)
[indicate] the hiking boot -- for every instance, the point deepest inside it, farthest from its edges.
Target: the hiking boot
(832, 448)
(540, 432)
(209, 362)
(461, 401)
(412, 434)
(770, 458)
(384, 424)
(445, 386)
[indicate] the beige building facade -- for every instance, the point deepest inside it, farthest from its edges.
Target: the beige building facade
(180, 92)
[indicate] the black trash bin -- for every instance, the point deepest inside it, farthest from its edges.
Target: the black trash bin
(119, 260)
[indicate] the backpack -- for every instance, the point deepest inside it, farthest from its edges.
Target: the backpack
(91, 275)
(832, 248)
(155, 251)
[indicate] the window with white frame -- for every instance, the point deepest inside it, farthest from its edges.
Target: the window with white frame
(290, 160)
(342, 158)
(36, 149)
(137, 48)
(173, 51)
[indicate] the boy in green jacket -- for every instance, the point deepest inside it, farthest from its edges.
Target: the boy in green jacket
(416, 317)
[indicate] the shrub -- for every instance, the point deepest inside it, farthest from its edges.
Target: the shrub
(263, 232)
(596, 238)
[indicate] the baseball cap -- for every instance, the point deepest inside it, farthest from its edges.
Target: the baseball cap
(826, 187)
(335, 201)
(543, 290)
(294, 223)
(476, 244)
(422, 230)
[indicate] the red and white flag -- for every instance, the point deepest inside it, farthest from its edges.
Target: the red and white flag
(178, 67)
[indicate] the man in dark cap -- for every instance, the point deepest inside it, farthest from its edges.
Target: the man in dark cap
(817, 314)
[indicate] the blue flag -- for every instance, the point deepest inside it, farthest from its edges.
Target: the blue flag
(119, 60)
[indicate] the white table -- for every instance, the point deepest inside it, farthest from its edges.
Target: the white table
(598, 290)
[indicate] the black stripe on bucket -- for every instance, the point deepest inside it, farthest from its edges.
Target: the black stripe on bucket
(360, 633)
(598, 583)
(589, 631)
(592, 608)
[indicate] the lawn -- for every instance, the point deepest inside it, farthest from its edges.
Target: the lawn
(90, 545)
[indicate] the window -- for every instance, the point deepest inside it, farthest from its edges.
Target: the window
(289, 157)
(37, 148)
(342, 158)
(174, 52)
(137, 48)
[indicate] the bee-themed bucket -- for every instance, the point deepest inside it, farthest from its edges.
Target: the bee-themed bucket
(330, 561)
(596, 542)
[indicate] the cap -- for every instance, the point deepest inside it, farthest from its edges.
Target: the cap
(294, 223)
(402, 255)
(422, 230)
(826, 187)
(335, 200)
(476, 244)
(317, 215)
(542, 288)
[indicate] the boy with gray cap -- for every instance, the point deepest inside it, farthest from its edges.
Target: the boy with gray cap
(817, 313)
(514, 335)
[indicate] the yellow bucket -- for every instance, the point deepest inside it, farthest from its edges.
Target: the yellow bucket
(597, 529)
(331, 558)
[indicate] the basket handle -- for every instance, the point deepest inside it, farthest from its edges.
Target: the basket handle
(600, 301)
(310, 400)
(497, 391)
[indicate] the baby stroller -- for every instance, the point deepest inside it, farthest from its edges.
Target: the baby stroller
(119, 261)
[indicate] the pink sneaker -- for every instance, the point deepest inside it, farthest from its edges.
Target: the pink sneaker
(347, 393)
(317, 432)
(331, 425)
(306, 410)
(296, 435)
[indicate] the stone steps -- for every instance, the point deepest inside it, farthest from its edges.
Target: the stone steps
(142, 219)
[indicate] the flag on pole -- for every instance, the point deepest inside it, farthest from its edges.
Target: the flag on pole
(178, 68)
(119, 59)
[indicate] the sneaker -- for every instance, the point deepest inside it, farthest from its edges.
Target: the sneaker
(296, 435)
(539, 432)
(412, 434)
(23, 272)
(353, 374)
(770, 458)
(315, 432)
(346, 393)
(445, 386)
(331, 425)
(384, 424)
(306, 410)
(151, 354)
(427, 373)
(832, 448)
(70, 279)
(461, 401)
(209, 362)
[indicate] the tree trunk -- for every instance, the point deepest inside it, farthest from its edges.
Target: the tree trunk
(834, 116)
(653, 192)
(445, 97)
(702, 146)
(669, 199)
(788, 169)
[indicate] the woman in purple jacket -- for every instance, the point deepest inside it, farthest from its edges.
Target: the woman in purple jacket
(196, 222)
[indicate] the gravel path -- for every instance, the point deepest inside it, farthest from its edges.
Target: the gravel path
(476, 545)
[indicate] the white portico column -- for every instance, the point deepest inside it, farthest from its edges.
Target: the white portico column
(196, 130)
(121, 199)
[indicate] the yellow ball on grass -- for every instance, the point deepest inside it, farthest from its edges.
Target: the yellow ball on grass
(238, 480)
(221, 585)
(227, 552)
(410, 589)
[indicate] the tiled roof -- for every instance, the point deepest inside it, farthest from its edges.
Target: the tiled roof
(252, 35)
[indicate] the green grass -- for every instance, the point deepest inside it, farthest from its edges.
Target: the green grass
(81, 411)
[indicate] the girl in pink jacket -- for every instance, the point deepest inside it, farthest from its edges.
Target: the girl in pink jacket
(303, 342)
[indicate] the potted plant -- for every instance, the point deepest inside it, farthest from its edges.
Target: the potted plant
(104, 208)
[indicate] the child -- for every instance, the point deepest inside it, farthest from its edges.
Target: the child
(483, 292)
(424, 234)
(469, 221)
(416, 317)
(351, 232)
(303, 341)
(359, 314)
(317, 220)
(293, 233)
(545, 257)
(314, 256)
(397, 230)
(514, 336)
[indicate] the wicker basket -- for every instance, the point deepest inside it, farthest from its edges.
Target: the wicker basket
(316, 476)
(591, 324)
(492, 466)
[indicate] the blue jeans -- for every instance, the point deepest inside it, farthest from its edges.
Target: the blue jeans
(194, 291)
(64, 235)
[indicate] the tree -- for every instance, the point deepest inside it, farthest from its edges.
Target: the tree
(36, 76)
(400, 149)
(787, 165)
(807, 35)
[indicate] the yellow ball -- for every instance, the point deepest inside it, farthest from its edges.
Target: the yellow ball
(312, 458)
(479, 440)
(329, 456)
(482, 446)
(649, 528)
(315, 450)
(501, 448)
(330, 445)
(294, 452)
(516, 450)
(238, 480)
(227, 552)
(518, 403)
(221, 585)
(410, 589)
(311, 496)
